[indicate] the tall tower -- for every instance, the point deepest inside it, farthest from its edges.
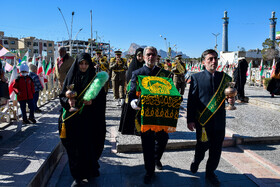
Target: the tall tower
(225, 32)
(272, 26)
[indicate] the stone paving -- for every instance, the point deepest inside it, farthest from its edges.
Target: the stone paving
(127, 169)
(236, 168)
(22, 153)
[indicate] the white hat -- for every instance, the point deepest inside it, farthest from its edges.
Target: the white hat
(24, 67)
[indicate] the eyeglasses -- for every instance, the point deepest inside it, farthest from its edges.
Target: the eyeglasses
(150, 54)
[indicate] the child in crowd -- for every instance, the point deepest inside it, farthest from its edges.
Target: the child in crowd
(23, 86)
(37, 85)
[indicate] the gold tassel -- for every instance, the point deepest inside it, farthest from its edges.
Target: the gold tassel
(204, 135)
(63, 131)
(137, 125)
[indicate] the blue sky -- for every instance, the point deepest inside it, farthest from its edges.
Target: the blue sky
(188, 24)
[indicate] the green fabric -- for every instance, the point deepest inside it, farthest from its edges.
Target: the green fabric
(160, 101)
(215, 102)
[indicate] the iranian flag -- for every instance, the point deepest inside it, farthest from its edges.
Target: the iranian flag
(223, 68)
(261, 68)
(273, 68)
(40, 67)
(25, 58)
(33, 60)
(40, 72)
(12, 78)
(219, 66)
(3, 51)
(8, 67)
(249, 70)
(192, 67)
(49, 68)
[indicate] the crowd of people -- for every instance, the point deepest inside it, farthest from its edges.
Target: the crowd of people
(82, 131)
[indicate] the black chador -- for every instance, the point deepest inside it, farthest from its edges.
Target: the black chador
(127, 124)
(85, 130)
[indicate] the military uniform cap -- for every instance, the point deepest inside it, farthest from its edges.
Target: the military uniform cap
(118, 52)
(178, 56)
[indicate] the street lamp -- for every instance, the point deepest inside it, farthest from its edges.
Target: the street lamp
(175, 46)
(167, 51)
(75, 38)
(216, 45)
(69, 34)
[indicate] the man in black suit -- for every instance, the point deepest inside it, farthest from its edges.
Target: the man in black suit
(207, 116)
(153, 143)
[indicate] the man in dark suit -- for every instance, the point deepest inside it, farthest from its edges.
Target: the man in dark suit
(153, 143)
(206, 116)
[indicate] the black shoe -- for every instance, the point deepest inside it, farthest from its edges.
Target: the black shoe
(212, 178)
(25, 121)
(32, 120)
(148, 178)
(76, 183)
(158, 165)
(194, 167)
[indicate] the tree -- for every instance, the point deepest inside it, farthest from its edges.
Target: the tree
(270, 49)
(242, 49)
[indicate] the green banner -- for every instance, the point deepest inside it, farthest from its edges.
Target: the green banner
(160, 103)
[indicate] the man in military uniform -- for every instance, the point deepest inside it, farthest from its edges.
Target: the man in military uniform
(179, 70)
(118, 66)
(129, 59)
(167, 64)
(159, 63)
(101, 64)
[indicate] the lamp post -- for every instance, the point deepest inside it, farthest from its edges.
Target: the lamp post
(69, 33)
(175, 46)
(165, 42)
(75, 38)
(216, 45)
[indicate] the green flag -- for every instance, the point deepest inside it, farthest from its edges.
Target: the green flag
(160, 102)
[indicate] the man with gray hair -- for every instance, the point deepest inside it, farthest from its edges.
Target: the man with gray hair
(62, 65)
(153, 143)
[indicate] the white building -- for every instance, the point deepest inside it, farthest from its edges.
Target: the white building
(232, 57)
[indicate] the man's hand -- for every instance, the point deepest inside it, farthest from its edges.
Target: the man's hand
(191, 126)
(133, 104)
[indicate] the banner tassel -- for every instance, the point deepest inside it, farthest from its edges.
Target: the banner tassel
(63, 131)
(204, 135)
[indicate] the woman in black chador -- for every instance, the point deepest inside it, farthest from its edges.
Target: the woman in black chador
(240, 80)
(274, 84)
(127, 123)
(85, 128)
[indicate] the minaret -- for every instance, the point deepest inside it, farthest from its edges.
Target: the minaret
(272, 26)
(225, 32)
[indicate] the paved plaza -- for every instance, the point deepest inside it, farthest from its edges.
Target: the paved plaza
(250, 154)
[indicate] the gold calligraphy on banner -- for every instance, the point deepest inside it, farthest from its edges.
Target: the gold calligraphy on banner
(160, 113)
(161, 100)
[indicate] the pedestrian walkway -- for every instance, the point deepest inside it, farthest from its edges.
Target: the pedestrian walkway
(122, 164)
(28, 157)
(127, 169)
